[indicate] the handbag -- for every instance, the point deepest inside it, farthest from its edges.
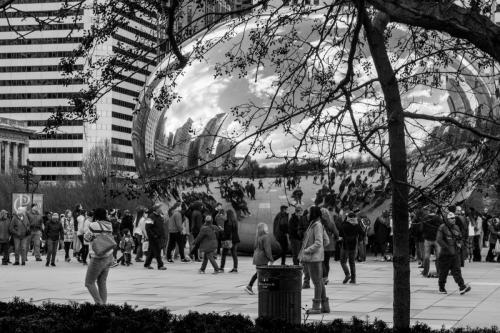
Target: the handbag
(145, 246)
(103, 242)
(227, 244)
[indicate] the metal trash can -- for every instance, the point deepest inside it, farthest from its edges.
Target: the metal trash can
(280, 290)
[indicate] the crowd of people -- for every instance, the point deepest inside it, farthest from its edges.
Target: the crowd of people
(332, 227)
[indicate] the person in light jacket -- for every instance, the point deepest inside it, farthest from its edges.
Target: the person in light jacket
(313, 254)
(262, 254)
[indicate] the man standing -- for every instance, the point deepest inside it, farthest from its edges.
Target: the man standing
(4, 236)
(156, 237)
(295, 233)
(431, 223)
(20, 231)
(449, 238)
(280, 230)
(54, 233)
(175, 236)
(36, 227)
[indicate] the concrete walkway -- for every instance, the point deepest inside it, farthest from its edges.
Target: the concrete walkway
(181, 289)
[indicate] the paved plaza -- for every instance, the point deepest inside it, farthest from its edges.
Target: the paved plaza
(181, 289)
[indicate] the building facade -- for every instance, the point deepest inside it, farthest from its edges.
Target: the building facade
(14, 142)
(34, 88)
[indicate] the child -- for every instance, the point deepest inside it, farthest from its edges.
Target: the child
(207, 241)
(127, 246)
(262, 254)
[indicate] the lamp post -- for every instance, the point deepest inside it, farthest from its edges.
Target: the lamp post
(27, 175)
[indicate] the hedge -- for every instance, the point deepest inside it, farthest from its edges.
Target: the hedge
(19, 316)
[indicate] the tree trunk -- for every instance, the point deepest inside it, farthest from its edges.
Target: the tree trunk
(398, 166)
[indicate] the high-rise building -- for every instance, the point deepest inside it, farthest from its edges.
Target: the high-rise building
(33, 85)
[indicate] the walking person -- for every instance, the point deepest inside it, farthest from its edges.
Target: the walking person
(312, 257)
(69, 230)
(140, 233)
(262, 254)
(333, 235)
(430, 225)
(99, 234)
(4, 236)
(230, 240)
(84, 220)
(20, 231)
(156, 237)
(126, 246)
(175, 236)
(450, 240)
(350, 232)
(494, 234)
(36, 227)
(53, 235)
(382, 228)
(280, 231)
(207, 242)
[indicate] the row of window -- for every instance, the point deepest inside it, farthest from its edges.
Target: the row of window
(44, 13)
(56, 164)
(121, 142)
(137, 19)
(26, 55)
(38, 27)
(37, 1)
(119, 102)
(138, 32)
(122, 116)
(121, 129)
(125, 91)
(32, 123)
(132, 55)
(57, 136)
(128, 67)
(131, 80)
(38, 41)
(40, 109)
(60, 177)
(41, 82)
(43, 68)
(47, 95)
(56, 150)
(134, 43)
(123, 167)
(121, 154)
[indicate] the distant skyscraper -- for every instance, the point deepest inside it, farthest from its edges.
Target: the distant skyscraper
(33, 86)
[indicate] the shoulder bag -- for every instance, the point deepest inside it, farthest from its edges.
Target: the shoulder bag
(103, 242)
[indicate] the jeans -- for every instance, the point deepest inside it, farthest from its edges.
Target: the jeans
(350, 255)
(52, 246)
(295, 245)
(209, 255)
(194, 249)
(138, 246)
(21, 248)
(420, 251)
(4, 250)
(84, 251)
(362, 250)
(154, 252)
(234, 254)
(36, 239)
(450, 263)
(175, 239)
(97, 271)
(326, 263)
(428, 246)
(284, 249)
(67, 246)
(315, 270)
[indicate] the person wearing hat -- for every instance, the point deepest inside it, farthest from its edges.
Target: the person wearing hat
(450, 240)
(280, 231)
(53, 234)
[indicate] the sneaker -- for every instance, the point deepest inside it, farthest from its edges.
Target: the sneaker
(23, 264)
(170, 261)
(39, 259)
(16, 263)
(114, 264)
(198, 260)
(442, 290)
(185, 260)
(346, 279)
(148, 267)
(200, 271)
(234, 270)
(139, 260)
(162, 268)
(249, 290)
(464, 289)
(53, 265)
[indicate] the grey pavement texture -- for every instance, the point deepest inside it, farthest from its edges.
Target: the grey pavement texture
(181, 289)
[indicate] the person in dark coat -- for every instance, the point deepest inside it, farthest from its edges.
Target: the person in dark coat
(127, 222)
(207, 243)
(20, 232)
(196, 221)
(449, 237)
(230, 233)
(280, 231)
(53, 233)
(296, 230)
(156, 237)
(382, 229)
(351, 232)
(430, 225)
(4, 236)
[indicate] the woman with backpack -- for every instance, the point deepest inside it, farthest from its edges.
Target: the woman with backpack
(102, 244)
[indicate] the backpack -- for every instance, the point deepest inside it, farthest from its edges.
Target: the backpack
(103, 241)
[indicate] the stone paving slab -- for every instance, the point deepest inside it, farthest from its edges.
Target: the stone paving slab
(181, 289)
